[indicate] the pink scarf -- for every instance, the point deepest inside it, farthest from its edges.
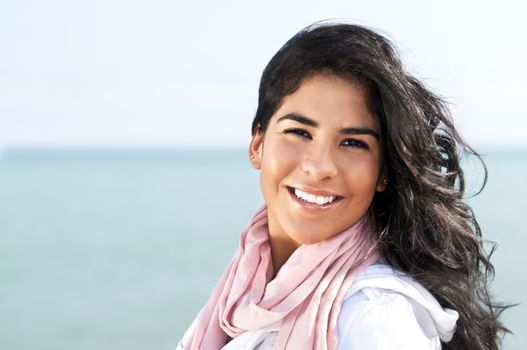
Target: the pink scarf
(305, 296)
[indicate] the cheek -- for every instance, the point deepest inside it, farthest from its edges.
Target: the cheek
(279, 159)
(279, 156)
(361, 174)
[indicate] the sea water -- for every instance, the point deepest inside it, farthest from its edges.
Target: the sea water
(120, 249)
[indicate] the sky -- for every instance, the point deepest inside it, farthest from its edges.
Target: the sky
(108, 73)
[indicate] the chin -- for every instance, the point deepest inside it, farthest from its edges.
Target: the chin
(309, 237)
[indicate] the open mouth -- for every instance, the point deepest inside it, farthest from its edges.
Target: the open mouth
(313, 199)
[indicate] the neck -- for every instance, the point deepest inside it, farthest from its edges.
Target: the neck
(281, 250)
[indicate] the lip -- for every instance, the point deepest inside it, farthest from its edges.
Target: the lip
(315, 191)
(313, 207)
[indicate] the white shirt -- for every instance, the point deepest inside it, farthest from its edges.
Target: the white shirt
(383, 310)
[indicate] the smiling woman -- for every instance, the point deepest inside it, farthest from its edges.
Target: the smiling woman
(320, 164)
(364, 241)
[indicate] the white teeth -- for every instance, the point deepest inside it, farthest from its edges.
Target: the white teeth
(311, 198)
(319, 200)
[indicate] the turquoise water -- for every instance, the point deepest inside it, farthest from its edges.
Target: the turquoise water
(119, 250)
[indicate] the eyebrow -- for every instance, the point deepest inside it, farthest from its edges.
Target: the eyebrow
(310, 122)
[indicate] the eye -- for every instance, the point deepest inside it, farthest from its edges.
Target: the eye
(298, 132)
(355, 143)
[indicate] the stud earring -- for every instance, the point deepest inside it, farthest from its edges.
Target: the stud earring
(385, 181)
(252, 157)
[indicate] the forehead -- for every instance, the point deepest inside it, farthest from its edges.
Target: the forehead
(330, 100)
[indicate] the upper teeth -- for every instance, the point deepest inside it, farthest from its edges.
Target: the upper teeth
(311, 198)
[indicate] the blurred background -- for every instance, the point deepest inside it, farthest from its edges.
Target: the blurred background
(124, 127)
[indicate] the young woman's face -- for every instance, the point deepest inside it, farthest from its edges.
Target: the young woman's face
(320, 160)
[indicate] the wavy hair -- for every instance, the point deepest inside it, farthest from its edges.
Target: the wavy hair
(424, 226)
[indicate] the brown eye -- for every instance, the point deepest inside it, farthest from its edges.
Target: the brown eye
(298, 132)
(354, 143)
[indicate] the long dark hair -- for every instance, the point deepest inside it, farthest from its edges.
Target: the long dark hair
(425, 227)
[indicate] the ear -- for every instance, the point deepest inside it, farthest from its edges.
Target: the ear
(255, 150)
(382, 182)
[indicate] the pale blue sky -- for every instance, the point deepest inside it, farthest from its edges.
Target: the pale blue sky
(169, 73)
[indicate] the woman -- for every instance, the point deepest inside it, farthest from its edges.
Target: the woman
(364, 241)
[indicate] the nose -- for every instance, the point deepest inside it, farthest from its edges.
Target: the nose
(319, 163)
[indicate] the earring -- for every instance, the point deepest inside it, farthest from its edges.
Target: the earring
(252, 157)
(385, 182)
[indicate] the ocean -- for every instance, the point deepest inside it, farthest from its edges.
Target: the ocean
(106, 249)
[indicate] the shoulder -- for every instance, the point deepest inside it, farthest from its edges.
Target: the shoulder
(386, 309)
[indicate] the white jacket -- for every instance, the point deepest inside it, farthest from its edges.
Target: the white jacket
(384, 310)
